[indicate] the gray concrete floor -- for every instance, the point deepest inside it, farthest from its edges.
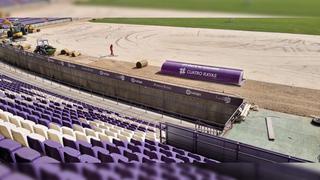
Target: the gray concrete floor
(294, 135)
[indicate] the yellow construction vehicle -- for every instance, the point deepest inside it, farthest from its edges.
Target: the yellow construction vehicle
(31, 29)
(16, 29)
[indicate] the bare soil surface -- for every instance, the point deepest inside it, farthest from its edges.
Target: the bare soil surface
(283, 70)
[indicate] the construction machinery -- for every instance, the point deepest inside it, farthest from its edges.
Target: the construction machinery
(16, 29)
(44, 48)
(31, 29)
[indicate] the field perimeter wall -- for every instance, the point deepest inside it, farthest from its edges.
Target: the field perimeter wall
(193, 105)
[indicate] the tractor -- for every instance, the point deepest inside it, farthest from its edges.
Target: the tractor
(43, 48)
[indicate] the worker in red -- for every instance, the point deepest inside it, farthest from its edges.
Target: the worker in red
(111, 50)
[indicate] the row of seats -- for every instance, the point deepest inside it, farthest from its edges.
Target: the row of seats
(13, 152)
(49, 151)
(34, 103)
(57, 142)
(114, 171)
(71, 131)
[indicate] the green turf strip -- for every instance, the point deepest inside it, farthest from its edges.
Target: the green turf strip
(271, 7)
(283, 25)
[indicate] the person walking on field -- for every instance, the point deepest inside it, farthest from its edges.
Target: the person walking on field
(111, 50)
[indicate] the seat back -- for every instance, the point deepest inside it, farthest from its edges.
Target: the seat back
(53, 149)
(55, 127)
(67, 130)
(55, 136)
(20, 135)
(15, 120)
(26, 124)
(5, 129)
(81, 137)
(35, 142)
(41, 130)
(78, 128)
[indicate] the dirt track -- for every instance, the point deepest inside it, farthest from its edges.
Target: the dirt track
(280, 58)
(281, 98)
(283, 69)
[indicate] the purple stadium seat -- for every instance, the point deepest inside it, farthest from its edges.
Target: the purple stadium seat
(88, 159)
(35, 144)
(150, 154)
(119, 158)
(4, 171)
(167, 159)
(70, 143)
(86, 148)
(54, 150)
(119, 143)
(131, 156)
(26, 155)
(194, 156)
(15, 176)
(184, 158)
(98, 143)
(104, 156)
(7, 149)
(151, 147)
(45, 160)
(135, 148)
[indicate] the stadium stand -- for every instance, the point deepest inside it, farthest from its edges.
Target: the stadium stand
(8, 3)
(71, 131)
(33, 21)
(113, 171)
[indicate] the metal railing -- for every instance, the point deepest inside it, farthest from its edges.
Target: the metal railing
(219, 148)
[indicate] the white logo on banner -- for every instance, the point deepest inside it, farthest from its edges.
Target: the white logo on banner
(182, 70)
(122, 77)
(189, 92)
(71, 65)
(227, 100)
(102, 73)
(133, 80)
(162, 86)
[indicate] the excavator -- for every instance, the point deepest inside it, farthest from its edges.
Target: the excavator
(16, 29)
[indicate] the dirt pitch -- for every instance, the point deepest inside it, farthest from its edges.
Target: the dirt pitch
(283, 70)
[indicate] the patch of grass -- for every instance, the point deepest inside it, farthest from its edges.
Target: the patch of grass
(283, 25)
(271, 7)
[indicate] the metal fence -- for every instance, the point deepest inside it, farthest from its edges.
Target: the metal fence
(219, 148)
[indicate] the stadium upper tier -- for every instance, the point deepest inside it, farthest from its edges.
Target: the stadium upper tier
(8, 3)
(30, 21)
